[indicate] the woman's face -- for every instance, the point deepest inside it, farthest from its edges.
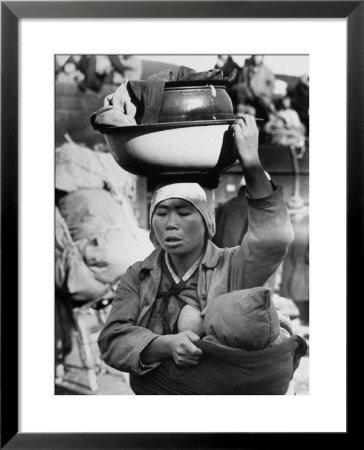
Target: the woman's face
(179, 227)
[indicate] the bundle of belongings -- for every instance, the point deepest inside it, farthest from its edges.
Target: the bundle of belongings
(97, 233)
(139, 102)
(246, 351)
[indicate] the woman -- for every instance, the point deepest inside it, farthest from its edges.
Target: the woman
(188, 269)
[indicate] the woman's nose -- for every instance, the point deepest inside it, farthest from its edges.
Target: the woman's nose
(172, 222)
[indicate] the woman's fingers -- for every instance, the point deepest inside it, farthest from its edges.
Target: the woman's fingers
(240, 128)
(191, 350)
(245, 125)
(183, 349)
(189, 358)
(242, 117)
(246, 120)
(250, 121)
(187, 361)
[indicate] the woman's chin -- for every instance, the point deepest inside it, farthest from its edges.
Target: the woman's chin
(174, 250)
(173, 247)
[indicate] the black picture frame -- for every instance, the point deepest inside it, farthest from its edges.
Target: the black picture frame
(11, 13)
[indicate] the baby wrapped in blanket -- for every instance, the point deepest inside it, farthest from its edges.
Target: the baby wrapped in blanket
(245, 319)
(246, 350)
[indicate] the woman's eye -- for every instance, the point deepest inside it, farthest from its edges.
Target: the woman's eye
(160, 213)
(184, 213)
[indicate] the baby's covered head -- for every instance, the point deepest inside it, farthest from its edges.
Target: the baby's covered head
(245, 319)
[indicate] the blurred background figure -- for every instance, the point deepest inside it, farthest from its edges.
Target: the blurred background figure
(295, 273)
(254, 87)
(232, 219)
(95, 68)
(98, 70)
(284, 126)
(226, 64)
(125, 67)
(232, 224)
(289, 115)
(300, 100)
(66, 69)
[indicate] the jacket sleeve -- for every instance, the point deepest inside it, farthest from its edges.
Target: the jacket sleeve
(265, 244)
(121, 341)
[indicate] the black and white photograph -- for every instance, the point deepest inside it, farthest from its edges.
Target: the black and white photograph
(182, 224)
(181, 216)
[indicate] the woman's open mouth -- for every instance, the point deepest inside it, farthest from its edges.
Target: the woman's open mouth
(172, 241)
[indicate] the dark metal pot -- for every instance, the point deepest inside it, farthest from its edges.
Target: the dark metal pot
(195, 101)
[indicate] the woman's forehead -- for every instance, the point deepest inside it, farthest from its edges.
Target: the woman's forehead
(175, 203)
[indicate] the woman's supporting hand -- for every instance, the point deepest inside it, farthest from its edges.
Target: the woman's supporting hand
(183, 350)
(178, 346)
(246, 137)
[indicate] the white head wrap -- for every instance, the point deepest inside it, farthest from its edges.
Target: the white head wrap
(201, 198)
